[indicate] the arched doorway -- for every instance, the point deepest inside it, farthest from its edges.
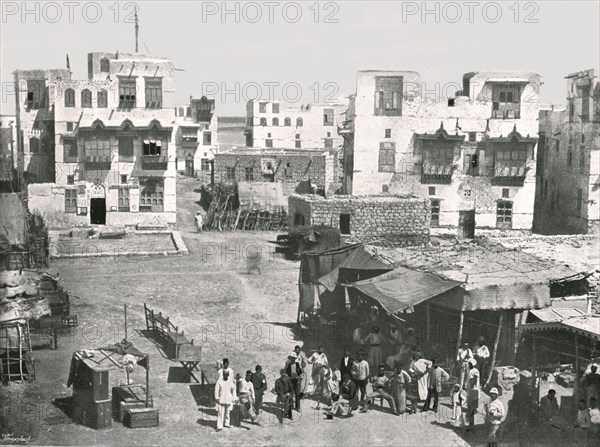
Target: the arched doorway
(97, 204)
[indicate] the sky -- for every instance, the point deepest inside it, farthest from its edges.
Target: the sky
(302, 52)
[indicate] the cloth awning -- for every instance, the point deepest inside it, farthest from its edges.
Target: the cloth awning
(500, 297)
(358, 260)
(261, 196)
(403, 288)
(507, 80)
(586, 325)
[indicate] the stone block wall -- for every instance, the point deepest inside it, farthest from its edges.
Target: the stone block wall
(388, 220)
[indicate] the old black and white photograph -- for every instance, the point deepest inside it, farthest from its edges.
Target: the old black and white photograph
(300, 223)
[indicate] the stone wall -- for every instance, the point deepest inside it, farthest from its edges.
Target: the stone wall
(389, 220)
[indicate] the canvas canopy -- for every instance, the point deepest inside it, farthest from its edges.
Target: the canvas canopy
(358, 261)
(403, 288)
(261, 196)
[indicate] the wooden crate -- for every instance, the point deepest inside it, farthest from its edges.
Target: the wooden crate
(90, 385)
(124, 406)
(141, 417)
(93, 414)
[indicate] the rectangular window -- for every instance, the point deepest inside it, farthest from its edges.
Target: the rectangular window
(328, 117)
(275, 107)
(557, 146)
(298, 144)
(570, 158)
(152, 195)
(344, 223)
(69, 126)
(152, 147)
(582, 157)
(189, 134)
(432, 190)
(546, 188)
(435, 212)
(36, 94)
(504, 214)
(505, 193)
(207, 138)
(124, 200)
(328, 143)
(388, 133)
(387, 157)
(579, 201)
(288, 172)
(97, 150)
(388, 95)
(230, 173)
(70, 200)
(268, 143)
(262, 107)
(123, 178)
(70, 150)
(153, 93)
(205, 165)
(298, 219)
(472, 137)
(249, 174)
(103, 99)
(127, 92)
(506, 101)
(70, 179)
(126, 149)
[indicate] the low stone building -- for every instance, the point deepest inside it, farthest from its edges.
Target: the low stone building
(386, 219)
(299, 170)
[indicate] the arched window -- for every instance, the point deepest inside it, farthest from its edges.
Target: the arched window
(275, 121)
(104, 65)
(103, 99)
(86, 98)
(299, 122)
(69, 97)
(287, 122)
(34, 145)
(263, 121)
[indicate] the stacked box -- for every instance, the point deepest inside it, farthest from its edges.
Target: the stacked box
(141, 417)
(95, 415)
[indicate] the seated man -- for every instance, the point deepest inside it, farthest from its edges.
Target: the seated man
(347, 400)
(380, 383)
(247, 396)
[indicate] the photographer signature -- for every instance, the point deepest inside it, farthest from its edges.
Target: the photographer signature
(11, 438)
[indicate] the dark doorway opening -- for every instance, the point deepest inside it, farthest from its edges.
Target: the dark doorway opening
(98, 211)
(344, 223)
(189, 167)
(466, 224)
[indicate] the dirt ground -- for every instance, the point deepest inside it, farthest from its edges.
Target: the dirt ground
(249, 318)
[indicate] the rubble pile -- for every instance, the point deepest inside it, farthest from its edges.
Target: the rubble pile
(20, 296)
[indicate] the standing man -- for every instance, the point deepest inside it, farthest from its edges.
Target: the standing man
(247, 395)
(225, 367)
(375, 340)
(283, 389)
(434, 386)
(346, 364)
(591, 384)
(549, 405)
(318, 360)
(198, 222)
(260, 386)
(360, 374)
(395, 339)
(224, 398)
(494, 412)
(473, 387)
(464, 355)
(295, 371)
(482, 354)
(399, 380)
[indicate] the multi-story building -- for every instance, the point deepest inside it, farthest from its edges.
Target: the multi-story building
(196, 138)
(9, 157)
(35, 123)
(568, 171)
(300, 171)
(473, 155)
(114, 156)
(313, 126)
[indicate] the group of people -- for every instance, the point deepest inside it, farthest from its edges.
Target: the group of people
(248, 391)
